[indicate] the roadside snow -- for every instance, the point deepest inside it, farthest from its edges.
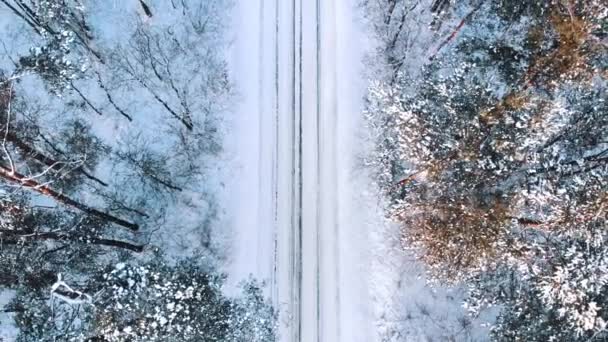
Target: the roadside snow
(357, 215)
(406, 308)
(248, 162)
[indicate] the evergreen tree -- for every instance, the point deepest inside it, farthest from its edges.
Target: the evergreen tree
(154, 301)
(493, 153)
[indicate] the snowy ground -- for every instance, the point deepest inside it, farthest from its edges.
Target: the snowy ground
(306, 214)
(294, 197)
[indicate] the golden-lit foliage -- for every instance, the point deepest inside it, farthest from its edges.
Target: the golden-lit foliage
(456, 235)
(568, 60)
(463, 213)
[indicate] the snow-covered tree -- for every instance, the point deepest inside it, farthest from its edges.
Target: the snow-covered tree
(150, 302)
(486, 138)
(61, 54)
(105, 171)
(561, 296)
(493, 152)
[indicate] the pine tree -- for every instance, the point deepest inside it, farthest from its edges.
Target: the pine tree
(153, 301)
(493, 153)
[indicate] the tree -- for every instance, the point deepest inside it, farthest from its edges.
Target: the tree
(105, 146)
(54, 148)
(65, 46)
(493, 153)
(165, 63)
(151, 302)
(561, 297)
(477, 154)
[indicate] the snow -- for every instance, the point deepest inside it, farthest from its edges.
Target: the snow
(405, 307)
(248, 185)
(8, 332)
(357, 216)
(293, 137)
(183, 219)
(345, 275)
(301, 205)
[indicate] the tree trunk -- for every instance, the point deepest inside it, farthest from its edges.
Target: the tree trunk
(45, 160)
(17, 178)
(455, 31)
(14, 237)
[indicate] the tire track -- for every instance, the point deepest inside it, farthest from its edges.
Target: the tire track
(318, 219)
(309, 284)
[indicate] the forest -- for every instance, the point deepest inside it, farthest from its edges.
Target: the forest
(145, 145)
(490, 120)
(112, 123)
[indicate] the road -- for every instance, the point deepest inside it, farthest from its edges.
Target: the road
(296, 126)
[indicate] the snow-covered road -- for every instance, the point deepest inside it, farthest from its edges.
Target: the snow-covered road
(296, 63)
